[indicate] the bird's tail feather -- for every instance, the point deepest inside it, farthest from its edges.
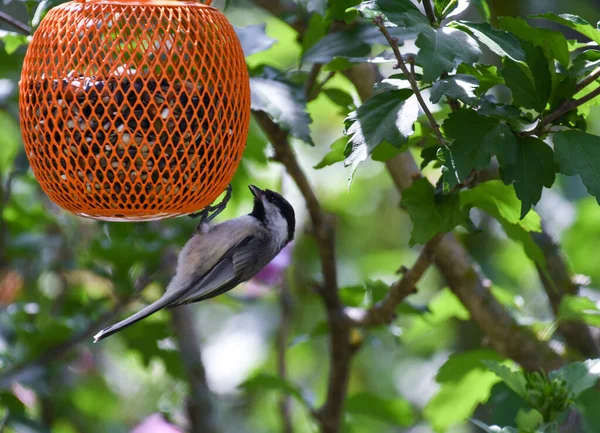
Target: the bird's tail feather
(149, 310)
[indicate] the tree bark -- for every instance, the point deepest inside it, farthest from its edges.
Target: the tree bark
(200, 408)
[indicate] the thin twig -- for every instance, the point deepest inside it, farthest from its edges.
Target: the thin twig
(385, 311)
(22, 27)
(561, 111)
(429, 12)
(587, 80)
(285, 303)
(312, 79)
(316, 90)
(393, 42)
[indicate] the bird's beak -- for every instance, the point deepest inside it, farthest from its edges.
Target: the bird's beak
(256, 191)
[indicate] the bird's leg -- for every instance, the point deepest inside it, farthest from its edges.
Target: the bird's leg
(210, 212)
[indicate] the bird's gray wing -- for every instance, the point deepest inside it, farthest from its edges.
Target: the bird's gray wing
(225, 275)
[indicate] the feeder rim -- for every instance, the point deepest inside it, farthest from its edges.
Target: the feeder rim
(162, 3)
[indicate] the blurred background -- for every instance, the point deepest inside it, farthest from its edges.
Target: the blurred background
(60, 274)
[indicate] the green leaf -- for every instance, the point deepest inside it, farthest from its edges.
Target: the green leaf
(587, 404)
(421, 138)
(514, 379)
(93, 392)
(476, 139)
(579, 308)
(340, 98)
(386, 116)
(577, 152)
(460, 87)
(582, 237)
(445, 306)
(316, 29)
(444, 8)
(11, 403)
(348, 43)
(396, 411)
(149, 350)
(267, 382)
(341, 63)
(336, 154)
(501, 202)
(10, 141)
(585, 63)
(519, 79)
(484, 8)
(337, 8)
(256, 144)
(529, 420)
(584, 109)
(543, 71)
(573, 22)
(318, 6)
(465, 383)
(284, 103)
(550, 41)
(254, 39)
(534, 169)
(493, 428)
(444, 309)
(429, 213)
(12, 40)
(440, 50)
(500, 42)
(508, 113)
(486, 75)
(579, 376)
(400, 13)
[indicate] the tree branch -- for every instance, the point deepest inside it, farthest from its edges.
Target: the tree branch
(312, 95)
(558, 282)
(385, 310)
(22, 27)
(561, 111)
(199, 403)
(505, 334)
(330, 414)
(411, 78)
(587, 80)
(453, 261)
(312, 80)
(285, 303)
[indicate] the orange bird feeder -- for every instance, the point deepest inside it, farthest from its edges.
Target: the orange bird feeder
(134, 109)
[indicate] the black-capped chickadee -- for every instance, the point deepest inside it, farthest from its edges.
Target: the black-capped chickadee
(218, 258)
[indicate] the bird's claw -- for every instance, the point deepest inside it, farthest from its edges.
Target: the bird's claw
(210, 212)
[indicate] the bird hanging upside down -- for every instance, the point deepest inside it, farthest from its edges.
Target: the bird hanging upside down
(218, 258)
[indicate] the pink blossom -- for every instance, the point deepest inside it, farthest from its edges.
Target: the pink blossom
(155, 423)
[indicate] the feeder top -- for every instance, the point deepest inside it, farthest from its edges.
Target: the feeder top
(162, 3)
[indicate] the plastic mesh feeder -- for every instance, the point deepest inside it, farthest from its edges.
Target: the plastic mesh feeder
(134, 110)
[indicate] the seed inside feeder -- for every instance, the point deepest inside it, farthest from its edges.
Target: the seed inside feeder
(148, 123)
